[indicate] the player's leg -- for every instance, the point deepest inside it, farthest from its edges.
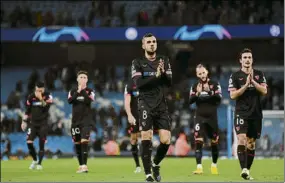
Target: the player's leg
(163, 125)
(31, 134)
(199, 141)
(85, 138)
(241, 127)
(212, 133)
(42, 140)
(135, 150)
(76, 138)
(254, 132)
(146, 140)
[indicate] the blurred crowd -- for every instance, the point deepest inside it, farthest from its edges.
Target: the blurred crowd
(166, 13)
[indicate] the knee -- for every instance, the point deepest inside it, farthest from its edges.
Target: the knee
(250, 144)
(134, 139)
(77, 143)
(146, 135)
(30, 141)
(164, 136)
(242, 139)
(84, 141)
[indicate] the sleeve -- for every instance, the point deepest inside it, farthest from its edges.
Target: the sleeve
(217, 93)
(192, 94)
(232, 83)
(262, 79)
(72, 95)
(137, 78)
(88, 97)
(127, 90)
(167, 76)
(28, 107)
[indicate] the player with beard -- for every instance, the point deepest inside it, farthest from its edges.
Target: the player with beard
(152, 75)
(81, 99)
(246, 86)
(131, 107)
(207, 95)
(36, 118)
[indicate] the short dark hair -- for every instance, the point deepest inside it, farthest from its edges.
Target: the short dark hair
(148, 35)
(199, 66)
(245, 50)
(82, 72)
(40, 84)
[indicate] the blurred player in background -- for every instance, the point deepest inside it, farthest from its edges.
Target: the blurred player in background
(36, 119)
(152, 75)
(207, 95)
(246, 86)
(131, 107)
(81, 126)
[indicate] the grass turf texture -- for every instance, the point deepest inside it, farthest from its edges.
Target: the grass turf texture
(121, 170)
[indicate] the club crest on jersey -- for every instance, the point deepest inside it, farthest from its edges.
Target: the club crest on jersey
(144, 65)
(256, 77)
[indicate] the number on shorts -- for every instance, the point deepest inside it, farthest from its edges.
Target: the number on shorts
(144, 114)
(29, 131)
(240, 121)
(197, 127)
(75, 131)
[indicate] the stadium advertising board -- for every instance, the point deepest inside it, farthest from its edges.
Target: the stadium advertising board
(183, 33)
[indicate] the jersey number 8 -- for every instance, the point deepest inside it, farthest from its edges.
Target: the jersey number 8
(144, 114)
(75, 131)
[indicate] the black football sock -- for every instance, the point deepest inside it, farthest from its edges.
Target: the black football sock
(215, 152)
(198, 152)
(42, 150)
(32, 151)
(84, 149)
(160, 153)
(250, 157)
(79, 153)
(135, 153)
(242, 156)
(146, 155)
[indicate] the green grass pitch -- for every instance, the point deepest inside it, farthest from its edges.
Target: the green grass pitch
(121, 170)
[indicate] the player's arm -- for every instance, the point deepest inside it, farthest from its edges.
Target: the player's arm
(139, 81)
(167, 75)
(72, 95)
(216, 93)
(261, 84)
(233, 88)
(193, 94)
(28, 111)
(88, 98)
(127, 101)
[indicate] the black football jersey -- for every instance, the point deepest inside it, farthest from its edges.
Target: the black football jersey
(81, 105)
(208, 101)
(248, 105)
(152, 89)
(38, 111)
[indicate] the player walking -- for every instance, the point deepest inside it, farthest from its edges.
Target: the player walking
(81, 99)
(207, 95)
(151, 75)
(131, 107)
(36, 119)
(246, 86)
